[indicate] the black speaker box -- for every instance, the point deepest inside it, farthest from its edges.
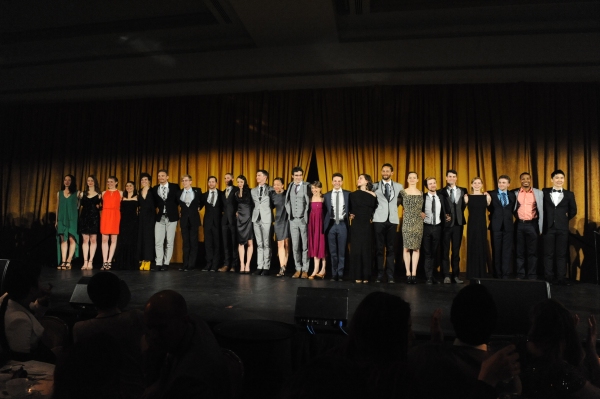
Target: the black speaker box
(80, 298)
(321, 306)
(514, 300)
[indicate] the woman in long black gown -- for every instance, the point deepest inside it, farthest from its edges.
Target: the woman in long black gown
(126, 256)
(363, 203)
(477, 244)
(245, 205)
(146, 221)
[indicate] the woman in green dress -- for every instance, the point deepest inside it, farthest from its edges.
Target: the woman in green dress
(67, 212)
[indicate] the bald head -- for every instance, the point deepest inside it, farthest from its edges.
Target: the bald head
(166, 319)
(166, 304)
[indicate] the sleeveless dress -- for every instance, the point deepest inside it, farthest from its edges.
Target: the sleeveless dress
(282, 226)
(126, 253)
(412, 222)
(316, 237)
(244, 220)
(111, 212)
(477, 244)
(146, 221)
(363, 206)
(66, 226)
(89, 219)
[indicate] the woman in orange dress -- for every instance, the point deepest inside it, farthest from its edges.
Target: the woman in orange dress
(110, 220)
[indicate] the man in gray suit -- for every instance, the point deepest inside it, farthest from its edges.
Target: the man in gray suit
(529, 218)
(262, 219)
(297, 204)
(385, 220)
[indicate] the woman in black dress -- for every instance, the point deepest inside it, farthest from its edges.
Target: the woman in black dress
(477, 244)
(282, 227)
(126, 257)
(89, 220)
(245, 205)
(363, 203)
(146, 221)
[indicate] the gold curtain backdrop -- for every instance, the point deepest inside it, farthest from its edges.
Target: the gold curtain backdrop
(479, 130)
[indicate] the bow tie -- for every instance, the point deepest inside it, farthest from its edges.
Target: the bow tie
(556, 191)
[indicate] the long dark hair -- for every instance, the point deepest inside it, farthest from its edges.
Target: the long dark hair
(369, 181)
(133, 194)
(72, 187)
(316, 184)
(96, 186)
(246, 189)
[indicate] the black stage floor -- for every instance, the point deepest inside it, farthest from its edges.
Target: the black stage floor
(219, 297)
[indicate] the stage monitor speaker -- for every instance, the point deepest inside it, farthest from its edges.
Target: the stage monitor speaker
(321, 306)
(81, 300)
(514, 300)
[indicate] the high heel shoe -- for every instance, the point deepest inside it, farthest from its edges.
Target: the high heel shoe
(281, 272)
(104, 266)
(148, 263)
(321, 276)
(142, 264)
(67, 266)
(61, 266)
(312, 276)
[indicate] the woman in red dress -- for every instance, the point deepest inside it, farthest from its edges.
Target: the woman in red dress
(110, 220)
(316, 237)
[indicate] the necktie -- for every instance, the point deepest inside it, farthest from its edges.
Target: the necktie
(452, 195)
(503, 199)
(211, 199)
(261, 193)
(164, 193)
(337, 207)
(186, 197)
(227, 192)
(297, 188)
(387, 191)
(434, 220)
(556, 191)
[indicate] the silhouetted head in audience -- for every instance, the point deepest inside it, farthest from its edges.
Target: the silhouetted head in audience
(380, 329)
(166, 318)
(21, 281)
(104, 290)
(553, 335)
(473, 315)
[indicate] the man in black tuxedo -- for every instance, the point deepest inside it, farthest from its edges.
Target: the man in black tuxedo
(213, 207)
(434, 216)
(501, 225)
(229, 226)
(189, 203)
(559, 208)
(166, 199)
(453, 228)
(335, 225)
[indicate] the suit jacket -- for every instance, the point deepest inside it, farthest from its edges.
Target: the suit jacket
(442, 211)
(501, 216)
(328, 208)
(558, 216)
(212, 214)
(229, 207)
(190, 214)
(539, 203)
(387, 209)
(305, 189)
(457, 210)
(262, 207)
(171, 203)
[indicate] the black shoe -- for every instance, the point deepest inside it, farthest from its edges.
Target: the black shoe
(164, 268)
(259, 272)
(429, 281)
(391, 281)
(266, 273)
(333, 279)
(563, 282)
(185, 269)
(204, 269)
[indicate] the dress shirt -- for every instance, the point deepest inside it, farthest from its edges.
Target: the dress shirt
(164, 187)
(527, 205)
(227, 191)
(505, 193)
(429, 217)
(191, 198)
(334, 193)
(556, 196)
(456, 193)
(212, 197)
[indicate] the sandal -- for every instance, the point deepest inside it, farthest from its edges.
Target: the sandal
(67, 266)
(104, 266)
(108, 265)
(281, 271)
(61, 266)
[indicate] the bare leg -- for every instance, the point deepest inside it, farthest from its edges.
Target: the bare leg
(316, 268)
(113, 247)
(415, 261)
(281, 253)
(93, 246)
(406, 256)
(287, 250)
(72, 246)
(242, 254)
(85, 248)
(105, 248)
(250, 252)
(323, 262)
(64, 248)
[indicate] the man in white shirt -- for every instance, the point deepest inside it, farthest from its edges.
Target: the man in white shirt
(335, 224)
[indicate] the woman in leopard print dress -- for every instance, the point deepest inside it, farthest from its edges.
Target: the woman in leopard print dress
(412, 226)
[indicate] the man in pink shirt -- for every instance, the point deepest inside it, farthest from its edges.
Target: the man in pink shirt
(529, 218)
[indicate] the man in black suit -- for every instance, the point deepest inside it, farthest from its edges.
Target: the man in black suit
(213, 207)
(559, 208)
(229, 226)
(452, 233)
(434, 216)
(189, 203)
(335, 225)
(501, 225)
(166, 199)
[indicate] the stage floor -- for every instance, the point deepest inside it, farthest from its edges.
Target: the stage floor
(219, 297)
